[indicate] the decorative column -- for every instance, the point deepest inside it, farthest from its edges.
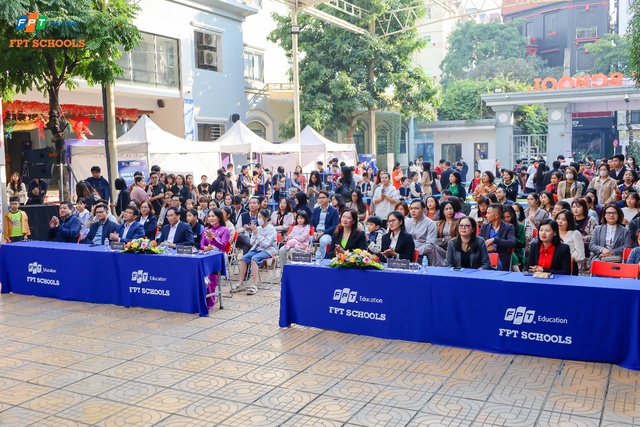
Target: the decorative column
(504, 135)
(558, 142)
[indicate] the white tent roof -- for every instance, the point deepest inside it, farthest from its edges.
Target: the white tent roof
(312, 142)
(239, 139)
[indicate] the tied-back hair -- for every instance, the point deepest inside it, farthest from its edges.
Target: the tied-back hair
(473, 241)
(399, 217)
(354, 216)
(554, 226)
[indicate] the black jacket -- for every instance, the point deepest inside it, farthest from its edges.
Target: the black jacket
(561, 262)
(405, 247)
(357, 240)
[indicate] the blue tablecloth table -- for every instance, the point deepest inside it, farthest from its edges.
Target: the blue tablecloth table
(77, 272)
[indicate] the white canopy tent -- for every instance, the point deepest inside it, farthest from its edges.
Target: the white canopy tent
(315, 147)
(146, 141)
(239, 139)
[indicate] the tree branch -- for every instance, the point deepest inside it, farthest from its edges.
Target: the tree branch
(51, 64)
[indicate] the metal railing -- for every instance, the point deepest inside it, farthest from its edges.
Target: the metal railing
(529, 147)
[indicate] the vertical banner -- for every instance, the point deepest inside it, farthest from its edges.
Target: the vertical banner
(127, 168)
(189, 126)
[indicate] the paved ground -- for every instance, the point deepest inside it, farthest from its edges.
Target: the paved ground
(70, 364)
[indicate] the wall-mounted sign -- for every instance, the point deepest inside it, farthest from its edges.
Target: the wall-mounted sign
(578, 82)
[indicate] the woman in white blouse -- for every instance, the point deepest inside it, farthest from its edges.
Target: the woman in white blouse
(572, 237)
(16, 188)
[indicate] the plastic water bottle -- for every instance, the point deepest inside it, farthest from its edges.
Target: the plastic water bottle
(106, 245)
(425, 264)
(319, 256)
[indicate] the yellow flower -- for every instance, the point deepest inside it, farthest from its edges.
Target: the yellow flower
(358, 251)
(352, 259)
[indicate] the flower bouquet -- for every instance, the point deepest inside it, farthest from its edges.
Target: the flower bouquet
(356, 259)
(142, 246)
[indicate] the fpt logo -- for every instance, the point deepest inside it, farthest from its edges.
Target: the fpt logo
(35, 268)
(519, 315)
(31, 22)
(345, 295)
(140, 276)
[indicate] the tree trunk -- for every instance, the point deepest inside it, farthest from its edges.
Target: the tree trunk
(57, 127)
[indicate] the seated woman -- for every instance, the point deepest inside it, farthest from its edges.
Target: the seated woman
(535, 213)
(548, 253)
(397, 243)
(610, 238)
(446, 228)
(148, 220)
(347, 237)
(572, 237)
(467, 250)
(634, 256)
(264, 245)
(214, 238)
(282, 218)
(479, 214)
(433, 208)
(298, 239)
(517, 257)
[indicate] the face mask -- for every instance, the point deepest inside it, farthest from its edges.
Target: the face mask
(569, 176)
(603, 173)
(260, 222)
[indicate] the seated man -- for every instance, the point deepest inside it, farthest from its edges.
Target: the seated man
(498, 235)
(67, 227)
(422, 229)
(176, 232)
(130, 228)
(102, 227)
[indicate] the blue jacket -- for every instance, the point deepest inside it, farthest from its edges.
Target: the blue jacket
(101, 185)
(108, 228)
(150, 226)
(330, 222)
(183, 236)
(136, 231)
(67, 231)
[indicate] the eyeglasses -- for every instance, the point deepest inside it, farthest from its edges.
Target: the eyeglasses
(464, 225)
(611, 213)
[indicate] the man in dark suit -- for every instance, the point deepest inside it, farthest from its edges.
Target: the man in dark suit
(324, 220)
(176, 232)
(101, 229)
(67, 227)
(498, 235)
(130, 228)
(618, 169)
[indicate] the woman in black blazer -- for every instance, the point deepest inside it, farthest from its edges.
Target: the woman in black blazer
(347, 237)
(148, 220)
(404, 246)
(549, 239)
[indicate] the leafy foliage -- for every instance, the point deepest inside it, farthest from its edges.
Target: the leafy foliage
(335, 84)
(612, 54)
(519, 69)
(634, 50)
(471, 43)
(461, 101)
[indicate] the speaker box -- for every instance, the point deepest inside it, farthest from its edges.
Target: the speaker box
(40, 171)
(38, 156)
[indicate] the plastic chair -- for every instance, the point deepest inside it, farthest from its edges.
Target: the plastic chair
(494, 257)
(613, 269)
(416, 254)
(625, 254)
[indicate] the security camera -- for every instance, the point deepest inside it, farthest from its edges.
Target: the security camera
(626, 98)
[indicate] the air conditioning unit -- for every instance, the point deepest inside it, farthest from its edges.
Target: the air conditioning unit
(206, 39)
(208, 58)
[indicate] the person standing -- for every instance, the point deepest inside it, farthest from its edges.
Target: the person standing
(16, 222)
(16, 188)
(98, 183)
(385, 198)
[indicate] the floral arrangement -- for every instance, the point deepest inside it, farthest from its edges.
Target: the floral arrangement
(142, 246)
(356, 259)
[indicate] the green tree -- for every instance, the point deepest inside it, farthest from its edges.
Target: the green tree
(105, 31)
(472, 43)
(612, 54)
(634, 32)
(462, 101)
(519, 69)
(335, 84)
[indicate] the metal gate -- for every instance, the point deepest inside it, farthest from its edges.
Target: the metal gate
(529, 147)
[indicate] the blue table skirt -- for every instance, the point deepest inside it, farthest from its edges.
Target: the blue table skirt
(70, 271)
(567, 317)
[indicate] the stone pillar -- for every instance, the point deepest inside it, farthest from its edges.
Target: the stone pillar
(504, 135)
(558, 142)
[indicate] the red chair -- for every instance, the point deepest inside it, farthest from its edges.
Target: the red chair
(625, 254)
(494, 257)
(613, 269)
(416, 254)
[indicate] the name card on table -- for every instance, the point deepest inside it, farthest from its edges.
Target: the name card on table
(117, 246)
(184, 250)
(301, 257)
(399, 264)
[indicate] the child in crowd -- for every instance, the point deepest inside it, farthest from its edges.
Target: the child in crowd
(83, 214)
(16, 222)
(415, 186)
(404, 190)
(374, 234)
